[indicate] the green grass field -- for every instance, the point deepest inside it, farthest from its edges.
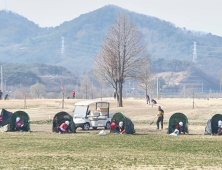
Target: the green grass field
(36, 150)
(148, 149)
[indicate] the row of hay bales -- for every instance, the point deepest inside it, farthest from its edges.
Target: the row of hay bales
(211, 128)
(9, 118)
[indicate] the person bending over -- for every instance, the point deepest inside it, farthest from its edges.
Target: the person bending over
(64, 128)
(19, 125)
(219, 132)
(181, 128)
(113, 125)
(121, 128)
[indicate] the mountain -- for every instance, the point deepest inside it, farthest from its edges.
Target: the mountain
(22, 41)
(14, 29)
(16, 75)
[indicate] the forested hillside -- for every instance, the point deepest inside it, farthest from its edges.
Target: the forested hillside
(22, 41)
(29, 74)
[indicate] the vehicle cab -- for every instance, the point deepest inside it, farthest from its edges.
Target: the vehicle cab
(92, 114)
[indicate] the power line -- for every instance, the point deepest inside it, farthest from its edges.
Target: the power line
(209, 47)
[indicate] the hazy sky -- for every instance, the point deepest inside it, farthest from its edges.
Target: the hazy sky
(199, 15)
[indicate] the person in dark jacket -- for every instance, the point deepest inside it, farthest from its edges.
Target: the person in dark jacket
(6, 96)
(160, 117)
(147, 99)
(1, 94)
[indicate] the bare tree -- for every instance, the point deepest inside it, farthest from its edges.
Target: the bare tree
(145, 76)
(121, 55)
(85, 86)
(100, 83)
(92, 91)
(38, 90)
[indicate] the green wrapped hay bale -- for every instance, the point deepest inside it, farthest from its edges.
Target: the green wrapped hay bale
(24, 117)
(174, 121)
(119, 117)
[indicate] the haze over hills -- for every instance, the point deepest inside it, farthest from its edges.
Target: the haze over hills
(28, 74)
(22, 41)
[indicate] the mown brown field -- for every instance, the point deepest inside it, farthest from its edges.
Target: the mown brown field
(147, 149)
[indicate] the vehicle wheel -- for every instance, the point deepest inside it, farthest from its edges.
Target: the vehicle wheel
(107, 125)
(86, 126)
(94, 128)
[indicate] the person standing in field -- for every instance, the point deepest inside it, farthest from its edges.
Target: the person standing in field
(73, 94)
(1, 94)
(147, 99)
(160, 117)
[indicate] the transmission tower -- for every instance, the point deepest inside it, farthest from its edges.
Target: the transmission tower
(194, 51)
(63, 46)
(5, 5)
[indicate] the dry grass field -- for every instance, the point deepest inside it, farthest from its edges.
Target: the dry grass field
(147, 149)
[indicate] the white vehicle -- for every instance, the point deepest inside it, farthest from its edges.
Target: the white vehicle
(92, 114)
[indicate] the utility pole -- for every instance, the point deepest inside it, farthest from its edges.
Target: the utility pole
(220, 87)
(62, 95)
(101, 91)
(129, 89)
(193, 98)
(202, 87)
(5, 85)
(209, 93)
(92, 91)
(25, 106)
(2, 79)
(77, 88)
(194, 51)
(157, 92)
(184, 91)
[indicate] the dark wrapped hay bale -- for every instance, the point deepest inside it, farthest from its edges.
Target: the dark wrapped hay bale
(212, 125)
(60, 118)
